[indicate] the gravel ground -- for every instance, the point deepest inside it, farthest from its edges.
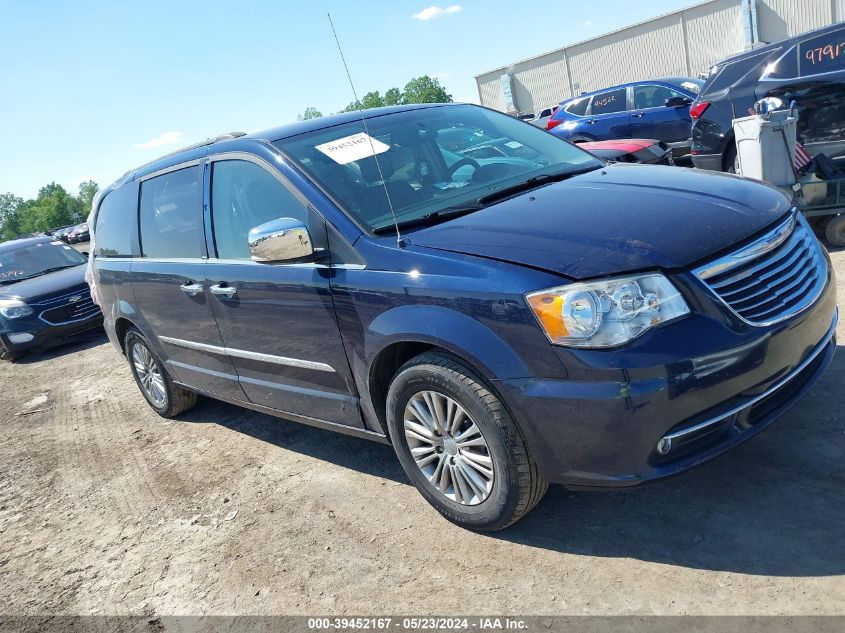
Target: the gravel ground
(107, 509)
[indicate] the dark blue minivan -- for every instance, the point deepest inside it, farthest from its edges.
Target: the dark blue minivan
(504, 322)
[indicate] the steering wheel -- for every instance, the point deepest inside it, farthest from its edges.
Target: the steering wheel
(462, 163)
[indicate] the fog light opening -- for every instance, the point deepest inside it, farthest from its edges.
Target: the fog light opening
(20, 337)
(664, 446)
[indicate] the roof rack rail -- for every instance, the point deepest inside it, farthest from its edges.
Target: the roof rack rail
(209, 141)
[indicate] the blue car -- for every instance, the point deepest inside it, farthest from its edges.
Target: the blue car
(656, 109)
(503, 322)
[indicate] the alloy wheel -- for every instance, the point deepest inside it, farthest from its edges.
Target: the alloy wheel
(448, 447)
(149, 375)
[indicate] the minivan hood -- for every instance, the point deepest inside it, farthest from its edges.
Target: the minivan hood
(46, 286)
(617, 219)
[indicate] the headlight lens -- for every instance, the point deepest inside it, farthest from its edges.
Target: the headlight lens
(606, 313)
(14, 309)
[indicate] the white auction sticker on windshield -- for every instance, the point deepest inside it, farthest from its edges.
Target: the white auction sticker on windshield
(345, 150)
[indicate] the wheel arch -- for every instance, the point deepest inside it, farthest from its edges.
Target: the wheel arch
(400, 334)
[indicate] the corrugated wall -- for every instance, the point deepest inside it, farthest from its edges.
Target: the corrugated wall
(682, 43)
(648, 50)
(779, 19)
(714, 30)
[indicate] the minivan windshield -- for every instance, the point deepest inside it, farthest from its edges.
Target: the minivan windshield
(36, 260)
(431, 163)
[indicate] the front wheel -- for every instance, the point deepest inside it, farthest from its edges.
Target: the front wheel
(835, 231)
(459, 446)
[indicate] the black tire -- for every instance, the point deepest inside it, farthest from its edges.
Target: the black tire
(516, 487)
(175, 399)
(730, 160)
(834, 232)
(5, 354)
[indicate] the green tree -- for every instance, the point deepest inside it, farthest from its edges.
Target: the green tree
(310, 113)
(87, 191)
(425, 90)
(51, 208)
(9, 217)
(392, 97)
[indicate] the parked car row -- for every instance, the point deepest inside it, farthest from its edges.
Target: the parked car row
(694, 115)
(73, 234)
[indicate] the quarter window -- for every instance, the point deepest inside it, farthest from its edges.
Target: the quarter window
(171, 215)
(579, 107)
(115, 234)
(609, 102)
(243, 196)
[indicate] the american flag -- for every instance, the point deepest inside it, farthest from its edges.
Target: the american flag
(802, 157)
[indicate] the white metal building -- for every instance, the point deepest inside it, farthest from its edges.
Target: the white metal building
(685, 42)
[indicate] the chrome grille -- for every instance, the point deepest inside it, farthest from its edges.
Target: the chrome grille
(774, 277)
(70, 311)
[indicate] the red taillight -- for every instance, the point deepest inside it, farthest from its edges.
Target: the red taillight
(698, 108)
(552, 123)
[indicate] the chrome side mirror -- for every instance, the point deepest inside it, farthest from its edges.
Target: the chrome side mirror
(282, 240)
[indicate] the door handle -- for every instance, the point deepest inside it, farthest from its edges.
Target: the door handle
(191, 288)
(638, 114)
(593, 121)
(225, 291)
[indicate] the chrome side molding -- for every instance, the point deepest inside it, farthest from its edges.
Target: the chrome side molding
(240, 353)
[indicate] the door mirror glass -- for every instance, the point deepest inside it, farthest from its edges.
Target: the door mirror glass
(677, 102)
(282, 240)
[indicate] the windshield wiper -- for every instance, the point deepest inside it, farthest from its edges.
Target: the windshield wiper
(533, 183)
(47, 271)
(432, 218)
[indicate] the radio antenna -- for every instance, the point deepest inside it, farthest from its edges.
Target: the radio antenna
(399, 241)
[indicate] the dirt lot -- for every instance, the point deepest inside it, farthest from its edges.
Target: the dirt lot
(107, 509)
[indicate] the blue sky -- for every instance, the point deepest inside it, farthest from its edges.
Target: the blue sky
(91, 89)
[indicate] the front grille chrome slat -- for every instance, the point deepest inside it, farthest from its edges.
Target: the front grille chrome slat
(786, 275)
(68, 311)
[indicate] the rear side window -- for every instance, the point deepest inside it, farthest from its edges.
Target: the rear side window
(171, 215)
(579, 107)
(243, 196)
(653, 96)
(609, 102)
(822, 54)
(116, 228)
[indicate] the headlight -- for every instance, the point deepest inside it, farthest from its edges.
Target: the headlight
(606, 313)
(14, 309)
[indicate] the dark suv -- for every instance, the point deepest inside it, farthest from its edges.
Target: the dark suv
(504, 322)
(809, 69)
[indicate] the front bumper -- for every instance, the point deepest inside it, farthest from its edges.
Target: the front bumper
(706, 385)
(13, 332)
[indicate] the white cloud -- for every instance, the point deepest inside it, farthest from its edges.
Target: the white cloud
(429, 13)
(168, 138)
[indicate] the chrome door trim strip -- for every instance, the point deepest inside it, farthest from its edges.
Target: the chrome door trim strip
(202, 347)
(240, 353)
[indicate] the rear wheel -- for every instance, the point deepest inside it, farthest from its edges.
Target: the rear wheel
(731, 161)
(166, 398)
(835, 231)
(459, 446)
